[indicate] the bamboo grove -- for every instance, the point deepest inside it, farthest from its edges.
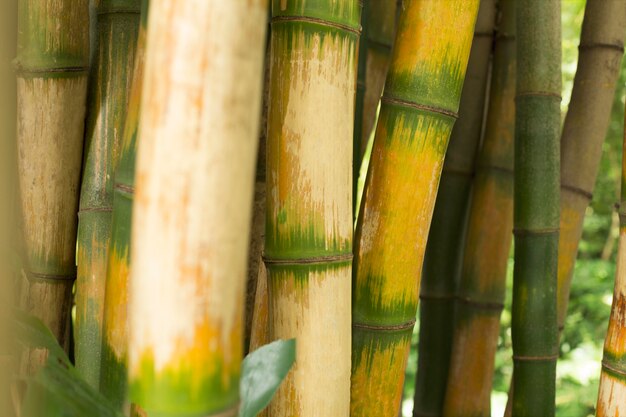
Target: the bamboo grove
(180, 182)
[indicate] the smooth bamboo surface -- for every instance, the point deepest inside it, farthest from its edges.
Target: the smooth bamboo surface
(193, 205)
(444, 250)
(612, 391)
(418, 110)
(599, 62)
(111, 74)
(536, 206)
(52, 67)
(489, 233)
(114, 362)
(308, 239)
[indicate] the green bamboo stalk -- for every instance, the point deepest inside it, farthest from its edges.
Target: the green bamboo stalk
(418, 111)
(52, 66)
(483, 277)
(536, 206)
(443, 257)
(308, 240)
(612, 391)
(114, 356)
(193, 205)
(111, 74)
(601, 50)
(359, 101)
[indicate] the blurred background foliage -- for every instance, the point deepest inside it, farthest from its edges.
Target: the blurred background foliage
(578, 368)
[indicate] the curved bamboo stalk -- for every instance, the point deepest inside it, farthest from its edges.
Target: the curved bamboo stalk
(483, 278)
(379, 36)
(52, 66)
(536, 206)
(419, 106)
(114, 356)
(192, 212)
(308, 240)
(444, 250)
(111, 74)
(601, 50)
(612, 391)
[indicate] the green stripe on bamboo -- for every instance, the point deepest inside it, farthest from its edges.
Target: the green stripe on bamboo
(483, 276)
(111, 74)
(612, 392)
(418, 110)
(114, 362)
(193, 205)
(52, 65)
(536, 206)
(308, 240)
(444, 250)
(599, 62)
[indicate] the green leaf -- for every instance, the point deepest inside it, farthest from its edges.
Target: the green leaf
(263, 371)
(31, 333)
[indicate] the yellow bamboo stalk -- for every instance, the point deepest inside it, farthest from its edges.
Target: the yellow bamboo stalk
(192, 210)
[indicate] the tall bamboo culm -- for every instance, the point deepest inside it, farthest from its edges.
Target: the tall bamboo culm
(612, 392)
(489, 233)
(52, 68)
(114, 358)
(600, 55)
(111, 74)
(308, 239)
(191, 216)
(418, 111)
(381, 18)
(444, 250)
(536, 206)
(359, 102)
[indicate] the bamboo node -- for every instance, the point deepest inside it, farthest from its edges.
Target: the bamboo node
(399, 102)
(593, 45)
(547, 358)
(124, 188)
(530, 232)
(95, 210)
(385, 328)
(577, 190)
(317, 21)
(547, 94)
(344, 257)
(22, 70)
(37, 276)
(611, 368)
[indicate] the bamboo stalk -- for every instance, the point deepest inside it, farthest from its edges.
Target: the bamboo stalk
(359, 102)
(483, 278)
(379, 36)
(192, 212)
(114, 361)
(419, 106)
(444, 250)
(536, 206)
(601, 49)
(53, 55)
(308, 240)
(612, 391)
(111, 74)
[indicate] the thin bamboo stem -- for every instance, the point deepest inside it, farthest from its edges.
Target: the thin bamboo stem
(612, 391)
(536, 206)
(483, 278)
(444, 250)
(193, 205)
(600, 56)
(111, 74)
(52, 66)
(418, 111)
(308, 240)
(114, 353)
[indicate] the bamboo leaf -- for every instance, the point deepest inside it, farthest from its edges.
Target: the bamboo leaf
(263, 371)
(32, 333)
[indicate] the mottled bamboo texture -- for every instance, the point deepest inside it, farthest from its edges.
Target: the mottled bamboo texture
(53, 56)
(378, 36)
(600, 55)
(536, 206)
(193, 205)
(114, 356)
(418, 111)
(489, 233)
(444, 251)
(308, 239)
(111, 74)
(612, 393)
